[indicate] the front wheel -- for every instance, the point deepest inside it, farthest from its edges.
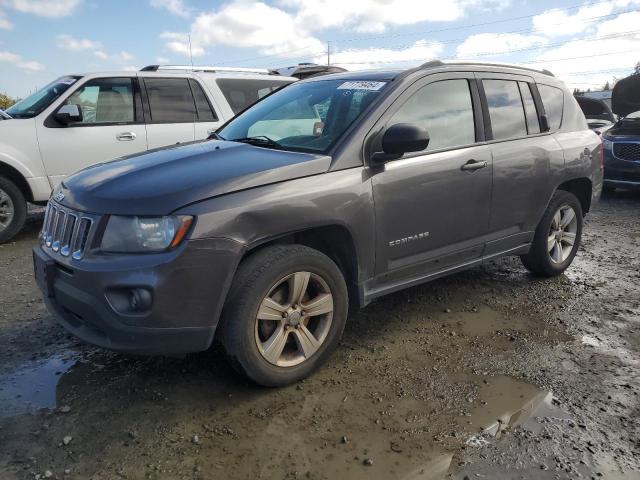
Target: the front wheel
(557, 237)
(13, 210)
(285, 314)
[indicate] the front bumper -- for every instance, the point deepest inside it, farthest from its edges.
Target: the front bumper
(620, 173)
(188, 287)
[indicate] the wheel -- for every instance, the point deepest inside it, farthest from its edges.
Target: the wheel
(557, 237)
(13, 210)
(285, 314)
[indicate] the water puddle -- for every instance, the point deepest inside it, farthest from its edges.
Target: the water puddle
(32, 386)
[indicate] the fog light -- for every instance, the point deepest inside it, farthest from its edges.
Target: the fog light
(129, 301)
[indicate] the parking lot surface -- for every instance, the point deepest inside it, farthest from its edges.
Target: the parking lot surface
(490, 373)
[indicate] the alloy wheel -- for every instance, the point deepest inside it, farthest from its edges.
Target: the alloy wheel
(294, 319)
(562, 234)
(6, 210)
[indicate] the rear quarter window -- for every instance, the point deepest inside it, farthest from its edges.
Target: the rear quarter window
(242, 93)
(553, 101)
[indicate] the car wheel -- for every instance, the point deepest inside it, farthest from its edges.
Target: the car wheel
(13, 210)
(557, 237)
(285, 314)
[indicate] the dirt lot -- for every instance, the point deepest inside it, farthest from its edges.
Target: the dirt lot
(491, 373)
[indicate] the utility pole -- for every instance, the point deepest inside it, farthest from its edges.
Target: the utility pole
(328, 53)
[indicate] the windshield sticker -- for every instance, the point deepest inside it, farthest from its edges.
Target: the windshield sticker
(362, 85)
(68, 80)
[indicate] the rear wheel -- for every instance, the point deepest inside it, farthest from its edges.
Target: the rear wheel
(13, 210)
(285, 314)
(557, 237)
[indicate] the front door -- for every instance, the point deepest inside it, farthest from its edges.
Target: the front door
(112, 126)
(433, 207)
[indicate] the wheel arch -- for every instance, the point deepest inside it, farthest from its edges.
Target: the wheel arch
(17, 178)
(582, 188)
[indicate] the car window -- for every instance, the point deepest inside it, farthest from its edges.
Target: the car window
(170, 100)
(553, 101)
(308, 116)
(104, 101)
(242, 93)
(505, 109)
(205, 111)
(445, 109)
(533, 124)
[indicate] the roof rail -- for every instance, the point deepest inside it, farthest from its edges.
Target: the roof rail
(196, 68)
(440, 63)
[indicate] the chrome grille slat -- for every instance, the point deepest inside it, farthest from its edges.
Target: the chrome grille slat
(66, 231)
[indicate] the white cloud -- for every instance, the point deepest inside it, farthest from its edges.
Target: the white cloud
(162, 60)
(67, 42)
(125, 56)
(130, 68)
(482, 44)
(118, 58)
(176, 7)
(101, 54)
(362, 59)
(179, 43)
(5, 24)
(18, 61)
(43, 8)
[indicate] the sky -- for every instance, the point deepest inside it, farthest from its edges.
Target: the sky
(585, 43)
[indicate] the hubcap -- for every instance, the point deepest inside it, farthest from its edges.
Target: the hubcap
(562, 234)
(6, 210)
(294, 319)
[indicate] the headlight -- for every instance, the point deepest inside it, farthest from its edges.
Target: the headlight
(606, 143)
(144, 234)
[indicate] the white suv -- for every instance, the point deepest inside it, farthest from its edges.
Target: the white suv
(81, 120)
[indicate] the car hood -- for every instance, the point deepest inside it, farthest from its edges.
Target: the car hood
(161, 181)
(625, 98)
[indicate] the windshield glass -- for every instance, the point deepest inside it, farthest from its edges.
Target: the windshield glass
(37, 102)
(308, 117)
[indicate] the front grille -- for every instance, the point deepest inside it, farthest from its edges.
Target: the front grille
(627, 150)
(65, 231)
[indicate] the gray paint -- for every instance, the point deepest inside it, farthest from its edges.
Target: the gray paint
(244, 196)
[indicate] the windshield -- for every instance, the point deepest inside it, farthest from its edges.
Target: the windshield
(34, 104)
(308, 117)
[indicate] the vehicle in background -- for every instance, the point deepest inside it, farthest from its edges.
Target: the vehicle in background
(604, 95)
(597, 112)
(266, 237)
(4, 116)
(308, 70)
(80, 120)
(622, 140)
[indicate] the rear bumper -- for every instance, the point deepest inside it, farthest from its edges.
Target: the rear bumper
(188, 288)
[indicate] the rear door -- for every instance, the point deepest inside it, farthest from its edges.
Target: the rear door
(432, 207)
(207, 120)
(112, 126)
(170, 111)
(523, 159)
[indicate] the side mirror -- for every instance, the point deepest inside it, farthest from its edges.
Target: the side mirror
(399, 139)
(544, 123)
(68, 114)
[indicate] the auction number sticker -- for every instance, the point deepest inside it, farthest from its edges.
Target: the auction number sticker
(362, 85)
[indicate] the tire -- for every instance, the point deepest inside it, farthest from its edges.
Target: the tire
(13, 210)
(274, 272)
(549, 256)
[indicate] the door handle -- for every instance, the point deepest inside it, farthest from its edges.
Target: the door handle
(126, 136)
(473, 165)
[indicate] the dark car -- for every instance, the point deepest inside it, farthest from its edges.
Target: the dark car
(597, 112)
(323, 196)
(621, 142)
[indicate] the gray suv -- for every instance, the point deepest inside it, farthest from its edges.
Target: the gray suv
(319, 198)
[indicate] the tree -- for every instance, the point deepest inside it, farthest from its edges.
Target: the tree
(606, 87)
(636, 70)
(6, 101)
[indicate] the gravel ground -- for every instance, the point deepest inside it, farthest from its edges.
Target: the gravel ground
(490, 373)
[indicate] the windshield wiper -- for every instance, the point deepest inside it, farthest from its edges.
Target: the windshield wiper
(260, 141)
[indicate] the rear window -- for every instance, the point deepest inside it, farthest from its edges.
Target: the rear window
(242, 93)
(553, 101)
(505, 109)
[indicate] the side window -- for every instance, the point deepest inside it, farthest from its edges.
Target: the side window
(553, 101)
(445, 109)
(170, 100)
(242, 93)
(530, 111)
(505, 109)
(205, 111)
(105, 101)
